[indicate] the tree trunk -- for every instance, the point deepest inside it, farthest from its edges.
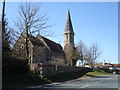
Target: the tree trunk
(27, 48)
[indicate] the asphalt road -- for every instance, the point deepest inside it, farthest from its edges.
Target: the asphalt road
(110, 81)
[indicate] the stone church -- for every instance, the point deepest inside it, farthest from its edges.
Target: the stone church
(43, 50)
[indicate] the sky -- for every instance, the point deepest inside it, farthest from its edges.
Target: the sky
(93, 23)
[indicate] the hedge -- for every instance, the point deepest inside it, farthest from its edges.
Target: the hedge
(11, 64)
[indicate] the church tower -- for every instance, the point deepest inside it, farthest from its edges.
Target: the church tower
(68, 34)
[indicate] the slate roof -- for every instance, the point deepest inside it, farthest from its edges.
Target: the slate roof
(42, 41)
(36, 41)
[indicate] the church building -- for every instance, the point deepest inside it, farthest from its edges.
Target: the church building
(43, 50)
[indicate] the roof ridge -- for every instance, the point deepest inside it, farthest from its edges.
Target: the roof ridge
(51, 40)
(43, 41)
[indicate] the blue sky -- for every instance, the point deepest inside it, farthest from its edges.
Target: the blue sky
(92, 22)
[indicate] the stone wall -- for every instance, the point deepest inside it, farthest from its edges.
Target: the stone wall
(44, 70)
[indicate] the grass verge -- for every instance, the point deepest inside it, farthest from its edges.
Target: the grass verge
(77, 75)
(95, 74)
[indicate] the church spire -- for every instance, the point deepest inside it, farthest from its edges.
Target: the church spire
(69, 38)
(68, 33)
(68, 28)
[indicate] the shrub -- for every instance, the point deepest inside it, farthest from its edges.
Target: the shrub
(106, 69)
(12, 64)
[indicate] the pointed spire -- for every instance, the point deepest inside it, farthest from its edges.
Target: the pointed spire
(68, 27)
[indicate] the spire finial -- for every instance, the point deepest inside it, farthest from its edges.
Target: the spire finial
(68, 14)
(68, 11)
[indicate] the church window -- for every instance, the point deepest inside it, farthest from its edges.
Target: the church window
(67, 36)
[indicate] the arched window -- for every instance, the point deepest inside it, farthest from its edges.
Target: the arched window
(67, 36)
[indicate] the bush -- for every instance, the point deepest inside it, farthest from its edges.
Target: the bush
(99, 71)
(60, 77)
(12, 64)
(106, 69)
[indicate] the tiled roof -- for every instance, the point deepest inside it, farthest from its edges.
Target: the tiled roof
(101, 65)
(117, 65)
(36, 41)
(42, 41)
(53, 46)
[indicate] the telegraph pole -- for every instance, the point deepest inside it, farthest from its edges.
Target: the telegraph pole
(3, 15)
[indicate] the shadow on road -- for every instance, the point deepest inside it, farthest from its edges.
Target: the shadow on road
(97, 76)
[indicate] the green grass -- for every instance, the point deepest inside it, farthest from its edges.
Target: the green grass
(96, 74)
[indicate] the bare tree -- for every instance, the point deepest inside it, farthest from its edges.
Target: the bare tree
(88, 55)
(30, 21)
(81, 50)
(93, 53)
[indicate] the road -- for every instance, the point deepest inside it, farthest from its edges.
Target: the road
(110, 81)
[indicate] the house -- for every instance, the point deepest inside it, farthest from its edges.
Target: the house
(117, 66)
(78, 63)
(102, 65)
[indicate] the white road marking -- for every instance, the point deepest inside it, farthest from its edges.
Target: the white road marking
(85, 86)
